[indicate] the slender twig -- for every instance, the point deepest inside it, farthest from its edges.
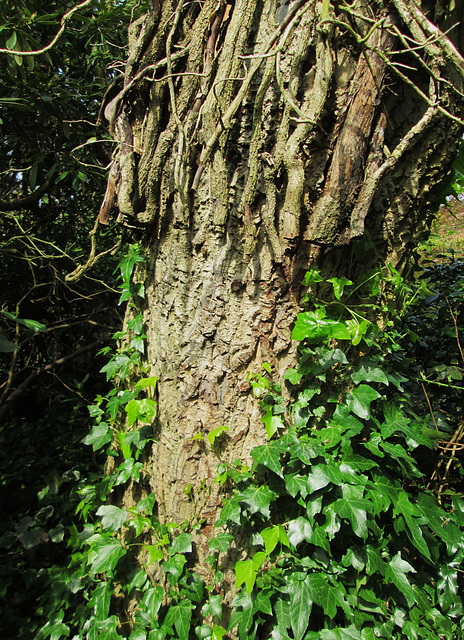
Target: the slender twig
(456, 329)
(64, 19)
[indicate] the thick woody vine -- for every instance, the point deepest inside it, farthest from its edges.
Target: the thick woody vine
(209, 74)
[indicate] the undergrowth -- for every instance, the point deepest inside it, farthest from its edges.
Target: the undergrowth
(348, 535)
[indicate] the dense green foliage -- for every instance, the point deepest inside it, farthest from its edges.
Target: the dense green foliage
(342, 533)
(52, 175)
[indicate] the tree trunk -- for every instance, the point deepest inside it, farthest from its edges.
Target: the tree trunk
(257, 138)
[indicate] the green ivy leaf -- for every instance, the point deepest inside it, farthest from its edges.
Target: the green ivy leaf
(319, 538)
(321, 475)
(268, 456)
(174, 567)
(359, 400)
(447, 586)
(127, 470)
(258, 499)
(216, 433)
(181, 544)
(411, 514)
(339, 285)
(100, 435)
(353, 508)
(55, 628)
(396, 571)
(325, 595)
(218, 632)
(282, 613)
(300, 608)
(112, 517)
(101, 599)
(143, 410)
(272, 536)
(299, 530)
(154, 553)
(221, 542)
(369, 371)
(128, 263)
(272, 423)
(180, 616)
(312, 327)
(213, 607)
(246, 571)
(104, 553)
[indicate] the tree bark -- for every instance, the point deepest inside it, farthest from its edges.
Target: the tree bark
(257, 138)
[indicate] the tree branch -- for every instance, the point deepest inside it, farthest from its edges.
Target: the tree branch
(14, 395)
(27, 201)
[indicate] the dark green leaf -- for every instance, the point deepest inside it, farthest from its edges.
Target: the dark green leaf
(258, 499)
(112, 517)
(359, 400)
(104, 553)
(299, 530)
(300, 608)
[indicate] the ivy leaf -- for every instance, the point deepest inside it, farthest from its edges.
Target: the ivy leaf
(396, 571)
(369, 371)
(174, 567)
(282, 613)
(128, 263)
(181, 544)
(319, 538)
(143, 410)
(272, 423)
(268, 456)
(231, 510)
(273, 535)
(353, 508)
(100, 600)
(299, 530)
(180, 616)
(296, 484)
(359, 400)
(100, 435)
(316, 329)
(447, 586)
(127, 470)
(324, 594)
(410, 514)
(213, 607)
(349, 633)
(339, 284)
(104, 553)
(321, 475)
(258, 499)
(112, 517)
(246, 571)
(300, 608)
(145, 383)
(151, 603)
(55, 628)
(154, 553)
(221, 542)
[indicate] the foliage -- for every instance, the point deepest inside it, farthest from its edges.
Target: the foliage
(50, 330)
(52, 171)
(344, 538)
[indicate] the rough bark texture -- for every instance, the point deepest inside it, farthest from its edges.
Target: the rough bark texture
(256, 138)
